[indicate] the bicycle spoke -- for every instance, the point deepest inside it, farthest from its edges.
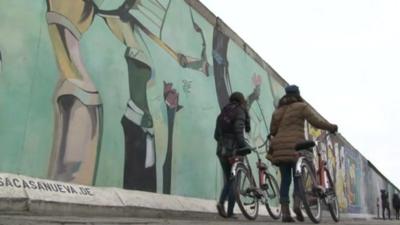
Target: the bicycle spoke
(245, 193)
(331, 198)
(272, 197)
(310, 198)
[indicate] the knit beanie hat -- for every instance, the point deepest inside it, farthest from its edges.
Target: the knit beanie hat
(292, 89)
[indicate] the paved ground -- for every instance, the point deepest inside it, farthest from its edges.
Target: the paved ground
(31, 220)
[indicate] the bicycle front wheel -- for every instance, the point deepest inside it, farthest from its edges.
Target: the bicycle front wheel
(272, 203)
(245, 192)
(307, 193)
(331, 198)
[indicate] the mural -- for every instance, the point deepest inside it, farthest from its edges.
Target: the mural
(125, 93)
(73, 154)
(357, 182)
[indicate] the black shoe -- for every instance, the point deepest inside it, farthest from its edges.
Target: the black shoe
(232, 216)
(288, 219)
(221, 210)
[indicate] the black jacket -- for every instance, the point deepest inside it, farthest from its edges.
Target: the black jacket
(230, 126)
(396, 201)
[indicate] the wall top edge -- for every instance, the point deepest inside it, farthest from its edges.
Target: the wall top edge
(214, 20)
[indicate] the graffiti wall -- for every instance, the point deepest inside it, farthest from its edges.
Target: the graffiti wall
(125, 93)
(358, 183)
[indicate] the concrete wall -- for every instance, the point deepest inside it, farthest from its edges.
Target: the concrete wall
(98, 96)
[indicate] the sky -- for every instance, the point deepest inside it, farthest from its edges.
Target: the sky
(345, 57)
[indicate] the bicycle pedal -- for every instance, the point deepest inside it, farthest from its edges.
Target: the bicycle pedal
(318, 189)
(258, 193)
(264, 186)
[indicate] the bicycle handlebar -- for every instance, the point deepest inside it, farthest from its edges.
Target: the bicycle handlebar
(250, 149)
(308, 145)
(325, 136)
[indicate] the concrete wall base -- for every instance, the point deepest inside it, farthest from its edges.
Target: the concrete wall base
(39, 197)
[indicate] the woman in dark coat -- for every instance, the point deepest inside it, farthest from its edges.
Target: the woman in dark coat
(229, 133)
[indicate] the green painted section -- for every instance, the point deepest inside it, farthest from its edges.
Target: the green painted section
(26, 81)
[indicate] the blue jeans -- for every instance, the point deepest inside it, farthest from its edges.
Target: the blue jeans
(287, 171)
(227, 192)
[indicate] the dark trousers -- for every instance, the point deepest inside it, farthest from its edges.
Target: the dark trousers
(384, 208)
(287, 172)
(227, 192)
(397, 210)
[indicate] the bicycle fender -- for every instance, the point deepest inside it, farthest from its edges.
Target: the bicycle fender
(233, 169)
(298, 166)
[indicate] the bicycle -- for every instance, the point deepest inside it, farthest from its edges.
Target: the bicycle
(247, 193)
(315, 186)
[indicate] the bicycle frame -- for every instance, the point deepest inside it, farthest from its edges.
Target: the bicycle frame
(262, 169)
(267, 187)
(320, 175)
(320, 171)
(322, 183)
(238, 159)
(261, 166)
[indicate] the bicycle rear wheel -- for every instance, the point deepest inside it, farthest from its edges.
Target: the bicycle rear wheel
(331, 198)
(245, 192)
(272, 196)
(307, 193)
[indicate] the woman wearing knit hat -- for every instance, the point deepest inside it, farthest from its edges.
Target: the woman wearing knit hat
(287, 129)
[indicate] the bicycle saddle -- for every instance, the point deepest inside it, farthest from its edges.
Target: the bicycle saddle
(306, 145)
(243, 151)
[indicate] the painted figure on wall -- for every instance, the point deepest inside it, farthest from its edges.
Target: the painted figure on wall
(221, 65)
(78, 112)
(353, 180)
(222, 77)
(171, 98)
(259, 125)
(140, 159)
(340, 184)
(351, 195)
(223, 89)
(78, 109)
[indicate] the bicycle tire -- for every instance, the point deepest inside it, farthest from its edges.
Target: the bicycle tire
(272, 194)
(245, 197)
(333, 205)
(310, 199)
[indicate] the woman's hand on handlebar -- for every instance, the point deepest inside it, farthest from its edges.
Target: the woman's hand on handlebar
(334, 129)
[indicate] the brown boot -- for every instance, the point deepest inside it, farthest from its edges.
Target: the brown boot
(286, 218)
(296, 209)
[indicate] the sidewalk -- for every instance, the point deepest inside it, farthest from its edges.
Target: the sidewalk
(31, 196)
(25, 195)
